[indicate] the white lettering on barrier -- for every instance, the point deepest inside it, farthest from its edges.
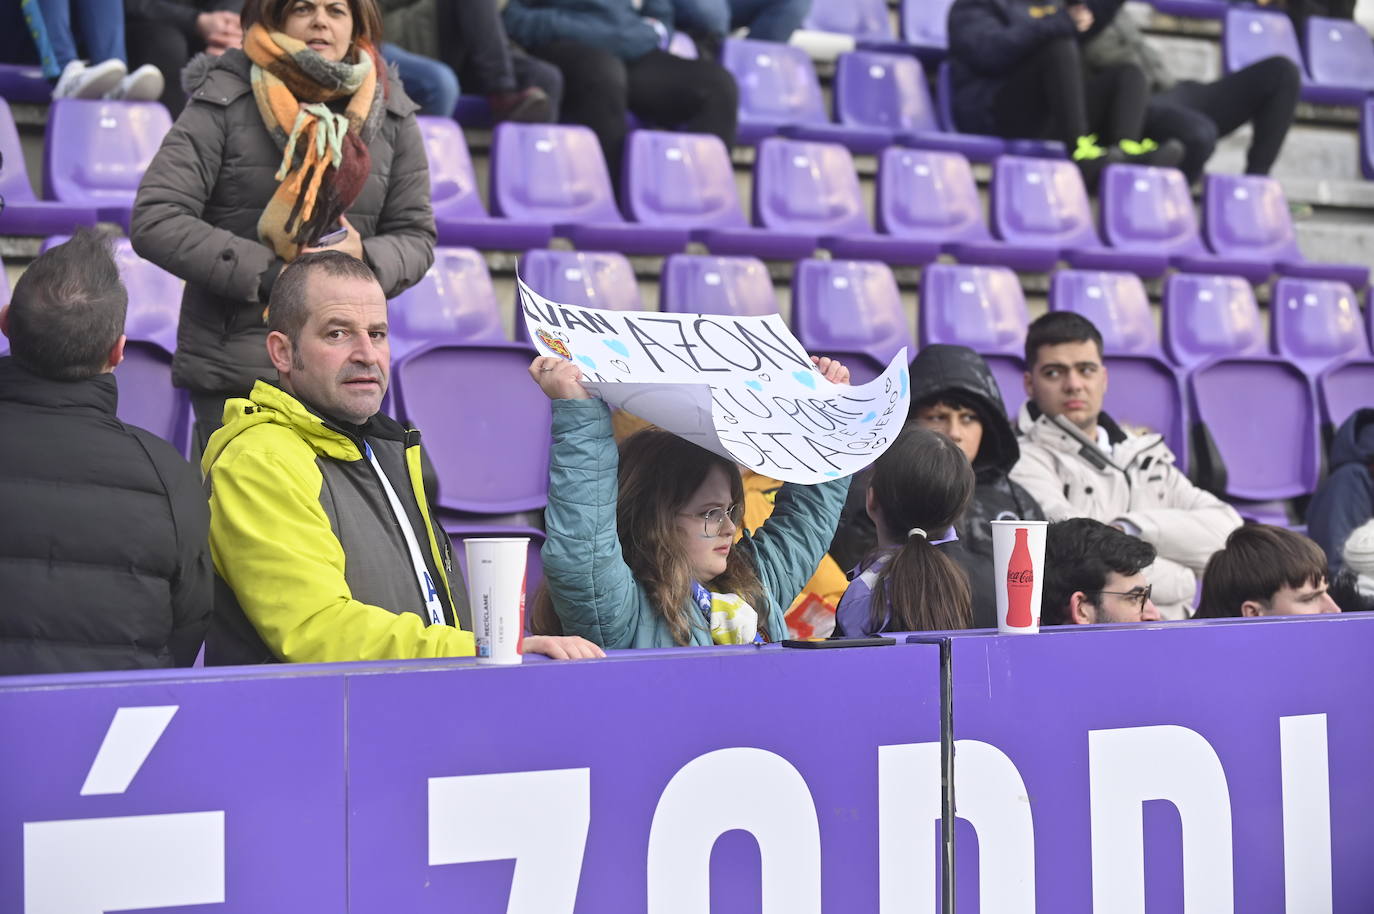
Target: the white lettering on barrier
(1130, 765)
(539, 818)
(1306, 814)
(742, 788)
(988, 793)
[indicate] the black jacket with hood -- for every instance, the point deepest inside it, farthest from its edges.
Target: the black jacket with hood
(956, 373)
(1345, 498)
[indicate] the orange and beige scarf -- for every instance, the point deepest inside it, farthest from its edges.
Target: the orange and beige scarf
(325, 158)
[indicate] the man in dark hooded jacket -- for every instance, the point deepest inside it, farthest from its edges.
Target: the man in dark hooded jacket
(954, 392)
(1345, 498)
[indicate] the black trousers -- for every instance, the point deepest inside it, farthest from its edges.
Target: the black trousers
(1263, 94)
(1049, 95)
(663, 91)
(166, 47)
(475, 45)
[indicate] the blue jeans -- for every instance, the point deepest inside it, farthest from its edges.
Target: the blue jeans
(101, 23)
(768, 20)
(430, 83)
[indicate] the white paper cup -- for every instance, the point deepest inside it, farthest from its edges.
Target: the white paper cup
(1018, 567)
(496, 593)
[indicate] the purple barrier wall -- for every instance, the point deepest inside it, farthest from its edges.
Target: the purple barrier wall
(600, 786)
(1205, 768)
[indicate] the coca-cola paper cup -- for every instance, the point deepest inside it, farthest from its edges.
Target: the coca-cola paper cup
(496, 593)
(1018, 567)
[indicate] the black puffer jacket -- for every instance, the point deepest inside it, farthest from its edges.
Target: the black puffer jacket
(955, 372)
(104, 557)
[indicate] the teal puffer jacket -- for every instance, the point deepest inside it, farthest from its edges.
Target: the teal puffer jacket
(593, 590)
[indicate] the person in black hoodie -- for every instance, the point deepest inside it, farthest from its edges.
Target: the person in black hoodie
(954, 392)
(1344, 500)
(104, 552)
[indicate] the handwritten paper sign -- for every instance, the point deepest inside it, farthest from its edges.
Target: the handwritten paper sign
(741, 387)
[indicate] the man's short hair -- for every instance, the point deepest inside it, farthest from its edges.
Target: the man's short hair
(288, 308)
(1257, 562)
(1079, 553)
(68, 310)
(1055, 328)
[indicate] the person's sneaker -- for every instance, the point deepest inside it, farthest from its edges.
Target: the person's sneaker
(1090, 159)
(81, 81)
(1087, 149)
(1148, 152)
(143, 85)
(527, 106)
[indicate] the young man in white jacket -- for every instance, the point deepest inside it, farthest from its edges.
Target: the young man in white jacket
(1077, 462)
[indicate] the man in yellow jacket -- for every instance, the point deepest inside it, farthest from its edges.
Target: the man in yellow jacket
(320, 527)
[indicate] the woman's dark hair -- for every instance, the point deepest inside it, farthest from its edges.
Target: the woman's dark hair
(659, 474)
(367, 18)
(923, 480)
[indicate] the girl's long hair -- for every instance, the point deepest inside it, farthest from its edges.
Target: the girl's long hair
(923, 480)
(659, 474)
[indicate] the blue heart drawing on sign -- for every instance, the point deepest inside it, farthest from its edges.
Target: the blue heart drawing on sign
(904, 382)
(586, 361)
(869, 418)
(806, 378)
(616, 346)
(754, 384)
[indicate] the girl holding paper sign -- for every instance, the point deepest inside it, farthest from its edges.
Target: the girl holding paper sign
(641, 548)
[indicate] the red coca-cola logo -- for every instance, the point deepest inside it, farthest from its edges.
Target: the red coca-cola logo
(1026, 576)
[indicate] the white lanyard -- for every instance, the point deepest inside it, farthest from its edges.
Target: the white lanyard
(432, 604)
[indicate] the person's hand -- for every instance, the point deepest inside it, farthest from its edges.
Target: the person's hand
(558, 378)
(352, 243)
(562, 647)
(1082, 16)
(832, 369)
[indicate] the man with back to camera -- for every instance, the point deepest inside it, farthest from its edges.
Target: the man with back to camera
(320, 523)
(1266, 571)
(1087, 465)
(1095, 574)
(103, 556)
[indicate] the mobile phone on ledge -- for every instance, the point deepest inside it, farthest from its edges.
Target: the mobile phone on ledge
(334, 237)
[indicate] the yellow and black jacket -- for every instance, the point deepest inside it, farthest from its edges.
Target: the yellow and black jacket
(312, 565)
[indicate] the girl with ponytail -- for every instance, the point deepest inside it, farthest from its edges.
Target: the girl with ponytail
(920, 487)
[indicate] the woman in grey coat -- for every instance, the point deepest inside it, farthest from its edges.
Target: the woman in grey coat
(203, 208)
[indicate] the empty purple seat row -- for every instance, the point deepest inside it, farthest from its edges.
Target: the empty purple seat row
(1337, 67)
(923, 31)
(24, 83)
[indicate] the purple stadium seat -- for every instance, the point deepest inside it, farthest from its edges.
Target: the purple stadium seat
(1241, 401)
(984, 309)
(154, 295)
(850, 310)
(931, 197)
(924, 26)
(812, 188)
(1251, 35)
(716, 285)
(1367, 139)
(889, 92)
(1043, 203)
(453, 303)
(24, 213)
(1048, 149)
(1192, 9)
(491, 452)
(556, 173)
(24, 83)
(686, 180)
(1151, 210)
(1143, 389)
(866, 21)
(1340, 57)
(147, 398)
(1206, 317)
(97, 152)
(779, 91)
(1316, 325)
(472, 111)
(459, 215)
(590, 278)
(1246, 217)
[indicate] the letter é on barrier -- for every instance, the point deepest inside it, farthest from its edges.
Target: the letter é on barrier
(1130, 765)
(989, 794)
(699, 805)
